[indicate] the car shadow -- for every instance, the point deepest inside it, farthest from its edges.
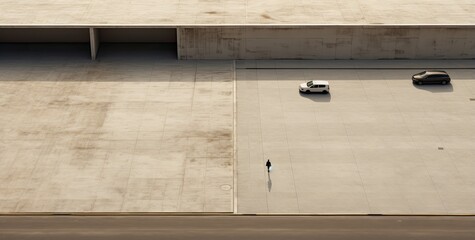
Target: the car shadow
(317, 97)
(435, 88)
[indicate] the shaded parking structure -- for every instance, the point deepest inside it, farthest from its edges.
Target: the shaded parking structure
(94, 38)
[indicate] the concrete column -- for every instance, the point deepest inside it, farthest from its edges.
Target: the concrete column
(178, 46)
(94, 41)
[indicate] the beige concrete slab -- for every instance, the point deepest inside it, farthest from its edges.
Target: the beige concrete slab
(127, 133)
(215, 12)
(370, 146)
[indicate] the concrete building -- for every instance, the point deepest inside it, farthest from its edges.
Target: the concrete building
(255, 30)
(139, 131)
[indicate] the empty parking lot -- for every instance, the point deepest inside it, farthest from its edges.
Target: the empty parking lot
(375, 144)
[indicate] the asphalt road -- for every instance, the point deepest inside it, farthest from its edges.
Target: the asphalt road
(235, 227)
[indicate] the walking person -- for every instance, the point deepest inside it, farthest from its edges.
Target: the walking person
(268, 165)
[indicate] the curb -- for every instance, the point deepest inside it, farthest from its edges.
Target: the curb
(219, 214)
(116, 214)
(351, 68)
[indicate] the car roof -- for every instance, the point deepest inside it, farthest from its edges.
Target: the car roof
(317, 82)
(433, 71)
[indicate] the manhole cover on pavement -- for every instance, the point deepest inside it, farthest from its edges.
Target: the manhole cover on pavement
(226, 187)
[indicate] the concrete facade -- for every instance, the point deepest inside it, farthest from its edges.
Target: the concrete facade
(216, 29)
(332, 42)
(274, 42)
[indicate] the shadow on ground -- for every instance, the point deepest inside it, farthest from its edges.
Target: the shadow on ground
(116, 62)
(436, 88)
(60, 53)
(317, 97)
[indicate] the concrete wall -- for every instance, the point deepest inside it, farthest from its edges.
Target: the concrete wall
(332, 42)
(329, 42)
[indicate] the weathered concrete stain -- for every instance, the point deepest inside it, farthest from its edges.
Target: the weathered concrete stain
(120, 144)
(267, 16)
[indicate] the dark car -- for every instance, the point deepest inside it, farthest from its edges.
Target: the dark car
(431, 76)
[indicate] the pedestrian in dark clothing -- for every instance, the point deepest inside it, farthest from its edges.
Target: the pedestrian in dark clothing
(268, 165)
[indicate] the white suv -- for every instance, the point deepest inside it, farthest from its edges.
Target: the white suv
(315, 86)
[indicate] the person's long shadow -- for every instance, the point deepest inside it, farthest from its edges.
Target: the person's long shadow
(269, 182)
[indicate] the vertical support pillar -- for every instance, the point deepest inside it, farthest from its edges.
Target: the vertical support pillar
(94, 41)
(178, 45)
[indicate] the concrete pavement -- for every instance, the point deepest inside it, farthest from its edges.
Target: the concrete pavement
(138, 132)
(375, 144)
(131, 132)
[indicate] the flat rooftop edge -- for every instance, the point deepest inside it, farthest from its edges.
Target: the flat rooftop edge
(224, 25)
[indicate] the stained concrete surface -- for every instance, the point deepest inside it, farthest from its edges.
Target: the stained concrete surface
(376, 144)
(161, 12)
(131, 132)
(136, 131)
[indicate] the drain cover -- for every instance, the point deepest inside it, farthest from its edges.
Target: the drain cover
(226, 187)
(441, 148)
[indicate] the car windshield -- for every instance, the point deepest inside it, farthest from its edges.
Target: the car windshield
(422, 73)
(309, 84)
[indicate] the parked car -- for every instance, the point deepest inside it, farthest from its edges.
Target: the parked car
(315, 86)
(431, 76)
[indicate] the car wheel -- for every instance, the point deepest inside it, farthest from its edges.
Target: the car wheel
(325, 91)
(419, 82)
(444, 82)
(307, 91)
